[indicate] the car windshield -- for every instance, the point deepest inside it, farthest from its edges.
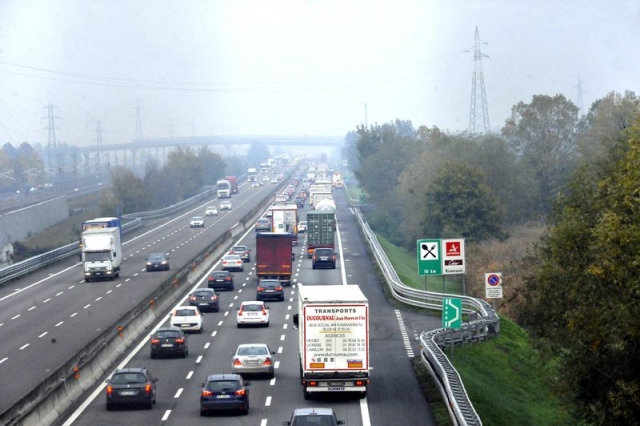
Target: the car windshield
(156, 256)
(196, 218)
(185, 312)
(223, 385)
(123, 378)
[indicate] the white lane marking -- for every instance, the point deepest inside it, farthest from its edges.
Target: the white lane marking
(166, 415)
(206, 345)
(263, 422)
(45, 301)
(24, 346)
(267, 403)
(87, 306)
(199, 359)
(189, 375)
(31, 308)
(3, 360)
(17, 316)
(59, 324)
(58, 294)
(276, 365)
(43, 334)
(282, 337)
(177, 395)
(279, 349)
(98, 298)
(215, 332)
(73, 315)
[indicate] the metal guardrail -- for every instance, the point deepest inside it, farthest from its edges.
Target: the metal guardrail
(483, 323)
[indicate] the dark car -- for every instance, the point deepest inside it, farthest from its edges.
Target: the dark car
(243, 251)
(300, 201)
(224, 392)
(205, 298)
(221, 280)
(323, 258)
(158, 262)
(263, 224)
(169, 341)
(128, 386)
(314, 416)
(270, 289)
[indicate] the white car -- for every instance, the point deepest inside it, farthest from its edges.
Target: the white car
(255, 185)
(253, 358)
(197, 222)
(253, 312)
(225, 205)
(302, 226)
(265, 179)
(187, 318)
(232, 262)
(211, 211)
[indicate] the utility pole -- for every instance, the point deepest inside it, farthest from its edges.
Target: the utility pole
(52, 146)
(479, 111)
(579, 101)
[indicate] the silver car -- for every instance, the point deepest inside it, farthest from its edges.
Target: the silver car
(253, 358)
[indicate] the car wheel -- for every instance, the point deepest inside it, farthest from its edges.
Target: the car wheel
(149, 405)
(334, 266)
(307, 395)
(184, 353)
(239, 325)
(148, 269)
(201, 330)
(267, 324)
(203, 413)
(282, 299)
(246, 410)
(313, 266)
(109, 407)
(153, 355)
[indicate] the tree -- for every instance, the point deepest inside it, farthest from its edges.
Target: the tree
(459, 204)
(258, 153)
(127, 193)
(582, 299)
(542, 134)
(602, 127)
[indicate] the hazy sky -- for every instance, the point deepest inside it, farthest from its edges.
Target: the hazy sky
(296, 67)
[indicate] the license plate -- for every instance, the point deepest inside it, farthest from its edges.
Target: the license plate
(251, 314)
(336, 383)
(269, 291)
(128, 392)
(167, 345)
(336, 388)
(223, 396)
(204, 304)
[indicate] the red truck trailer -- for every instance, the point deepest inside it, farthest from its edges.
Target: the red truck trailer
(274, 256)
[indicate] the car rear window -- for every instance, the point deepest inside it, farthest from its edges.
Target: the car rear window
(203, 293)
(252, 351)
(167, 334)
(185, 313)
(313, 420)
(223, 385)
(252, 307)
(123, 378)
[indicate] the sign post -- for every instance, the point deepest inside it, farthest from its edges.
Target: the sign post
(453, 256)
(429, 262)
(493, 285)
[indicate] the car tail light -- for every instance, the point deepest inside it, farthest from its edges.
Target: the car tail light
(267, 361)
(312, 383)
(109, 390)
(361, 382)
(147, 388)
(207, 393)
(214, 297)
(264, 311)
(240, 311)
(260, 288)
(192, 298)
(154, 341)
(179, 340)
(279, 288)
(240, 392)
(227, 278)
(237, 362)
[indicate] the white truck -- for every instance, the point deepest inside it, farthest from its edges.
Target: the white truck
(252, 174)
(333, 327)
(223, 188)
(101, 253)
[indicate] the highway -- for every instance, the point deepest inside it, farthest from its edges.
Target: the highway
(54, 313)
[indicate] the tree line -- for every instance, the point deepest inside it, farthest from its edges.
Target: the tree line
(580, 176)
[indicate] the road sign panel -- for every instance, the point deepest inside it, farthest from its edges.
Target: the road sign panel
(453, 256)
(493, 285)
(429, 259)
(451, 312)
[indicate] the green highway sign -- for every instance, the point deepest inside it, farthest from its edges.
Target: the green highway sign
(429, 259)
(451, 312)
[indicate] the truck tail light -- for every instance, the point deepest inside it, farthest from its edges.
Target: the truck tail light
(312, 383)
(361, 382)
